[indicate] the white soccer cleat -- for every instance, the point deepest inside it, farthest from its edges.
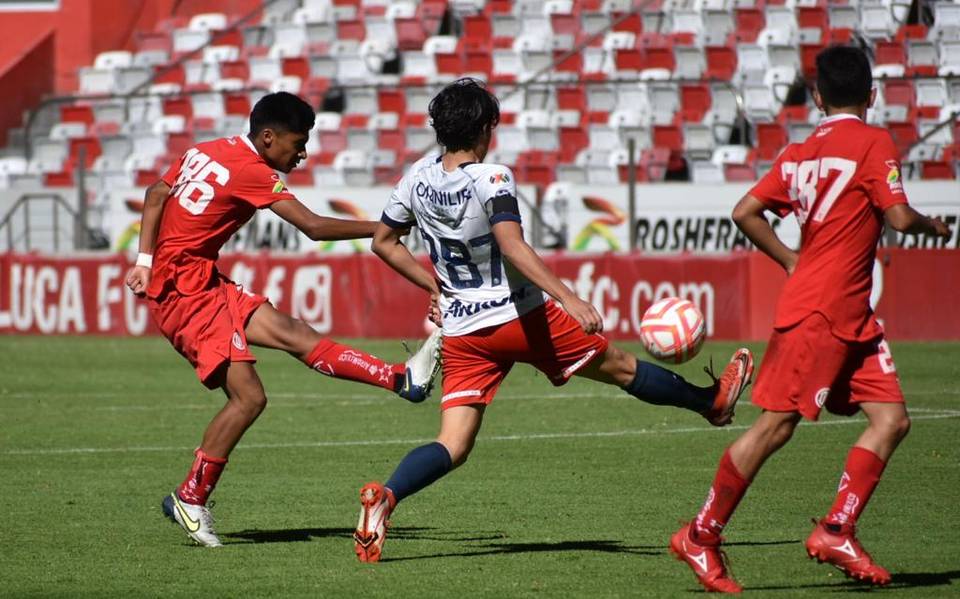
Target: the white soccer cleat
(376, 504)
(422, 369)
(195, 519)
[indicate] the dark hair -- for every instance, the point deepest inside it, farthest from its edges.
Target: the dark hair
(281, 111)
(462, 112)
(843, 76)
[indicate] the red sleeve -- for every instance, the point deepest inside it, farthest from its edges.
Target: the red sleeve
(881, 173)
(259, 186)
(772, 189)
(170, 177)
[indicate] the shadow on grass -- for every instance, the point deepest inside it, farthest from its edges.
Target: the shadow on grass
(901, 580)
(603, 546)
(299, 535)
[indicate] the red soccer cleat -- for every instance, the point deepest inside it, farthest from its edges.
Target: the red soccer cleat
(843, 551)
(707, 561)
(735, 378)
(376, 505)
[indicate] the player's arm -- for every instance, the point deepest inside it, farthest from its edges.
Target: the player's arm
(321, 228)
(514, 248)
(390, 248)
(905, 219)
(748, 214)
(139, 276)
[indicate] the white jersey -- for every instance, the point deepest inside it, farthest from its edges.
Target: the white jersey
(454, 214)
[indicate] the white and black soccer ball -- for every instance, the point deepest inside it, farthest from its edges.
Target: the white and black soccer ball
(673, 330)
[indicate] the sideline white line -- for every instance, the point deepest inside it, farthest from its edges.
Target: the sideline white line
(525, 437)
(317, 400)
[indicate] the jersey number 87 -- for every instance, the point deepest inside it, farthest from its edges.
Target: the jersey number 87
(456, 255)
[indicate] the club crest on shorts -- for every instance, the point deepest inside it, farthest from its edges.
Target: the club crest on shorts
(238, 341)
(821, 397)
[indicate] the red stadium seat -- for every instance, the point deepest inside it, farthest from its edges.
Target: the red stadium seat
(572, 64)
(410, 33)
(739, 173)
(477, 27)
(912, 32)
(351, 30)
(572, 140)
(572, 98)
(178, 143)
(76, 113)
(937, 169)
(721, 62)
(300, 177)
(478, 62)
(808, 59)
(449, 64)
(771, 138)
(669, 137)
(748, 22)
(391, 100)
(314, 90)
(145, 177)
(904, 134)
(333, 141)
(630, 59)
(235, 69)
(890, 52)
(660, 56)
(90, 146)
(695, 101)
(813, 17)
(899, 92)
(178, 105)
(392, 139)
(237, 103)
(298, 66)
(632, 24)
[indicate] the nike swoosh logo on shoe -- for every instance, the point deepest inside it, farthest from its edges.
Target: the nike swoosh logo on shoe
(189, 523)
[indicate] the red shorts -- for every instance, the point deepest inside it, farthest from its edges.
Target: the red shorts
(806, 369)
(475, 364)
(207, 328)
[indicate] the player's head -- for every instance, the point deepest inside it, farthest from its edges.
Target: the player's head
(844, 79)
(464, 115)
(280, 126)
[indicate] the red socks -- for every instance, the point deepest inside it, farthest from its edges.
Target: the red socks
(860, 477)
(728, 489)
(343, 362)
(202, 479)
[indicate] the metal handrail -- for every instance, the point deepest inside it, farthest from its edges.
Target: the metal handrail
(59, 202)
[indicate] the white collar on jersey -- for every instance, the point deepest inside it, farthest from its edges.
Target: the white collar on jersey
(249, 144)
(833, 119)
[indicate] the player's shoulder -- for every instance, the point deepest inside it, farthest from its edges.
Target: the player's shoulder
(491, 173)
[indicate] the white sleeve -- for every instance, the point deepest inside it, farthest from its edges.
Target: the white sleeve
(398, 213)
(498, 194)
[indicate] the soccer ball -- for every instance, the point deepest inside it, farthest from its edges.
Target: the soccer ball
(673, 330)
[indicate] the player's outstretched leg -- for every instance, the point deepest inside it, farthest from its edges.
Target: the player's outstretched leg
(657, 385)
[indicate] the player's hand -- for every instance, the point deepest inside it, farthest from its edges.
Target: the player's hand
(584, 313)
(791, 264)
(138, 279)
(433, 312)
(940, 228)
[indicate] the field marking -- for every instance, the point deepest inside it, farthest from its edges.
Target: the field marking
(318, 400)
(932, 415)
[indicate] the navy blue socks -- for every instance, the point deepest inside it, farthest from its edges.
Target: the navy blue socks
(659, 386)
(418, 469)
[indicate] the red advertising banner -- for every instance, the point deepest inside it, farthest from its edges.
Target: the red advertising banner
(359, 296)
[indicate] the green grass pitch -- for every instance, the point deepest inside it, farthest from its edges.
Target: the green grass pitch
(571, 491)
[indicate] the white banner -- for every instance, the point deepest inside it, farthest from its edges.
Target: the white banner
(267, 231)
(677, 217)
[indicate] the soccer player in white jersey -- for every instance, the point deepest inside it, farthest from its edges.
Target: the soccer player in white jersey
(488, 293)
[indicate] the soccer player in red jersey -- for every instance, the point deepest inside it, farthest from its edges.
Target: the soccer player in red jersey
(492, 306)
(827, 349)
(188, 215)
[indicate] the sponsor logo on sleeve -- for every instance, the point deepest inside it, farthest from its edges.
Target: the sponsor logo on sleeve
(893, 176)
(278, 187)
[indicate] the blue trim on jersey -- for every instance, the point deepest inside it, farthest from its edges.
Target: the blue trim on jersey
(502, 216)
(394, 224)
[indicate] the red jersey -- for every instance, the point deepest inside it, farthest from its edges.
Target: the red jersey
(215, 188)
(838, 183)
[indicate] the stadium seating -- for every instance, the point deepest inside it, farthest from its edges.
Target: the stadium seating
(683, 80)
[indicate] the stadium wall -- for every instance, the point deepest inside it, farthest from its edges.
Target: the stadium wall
(346, 295)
